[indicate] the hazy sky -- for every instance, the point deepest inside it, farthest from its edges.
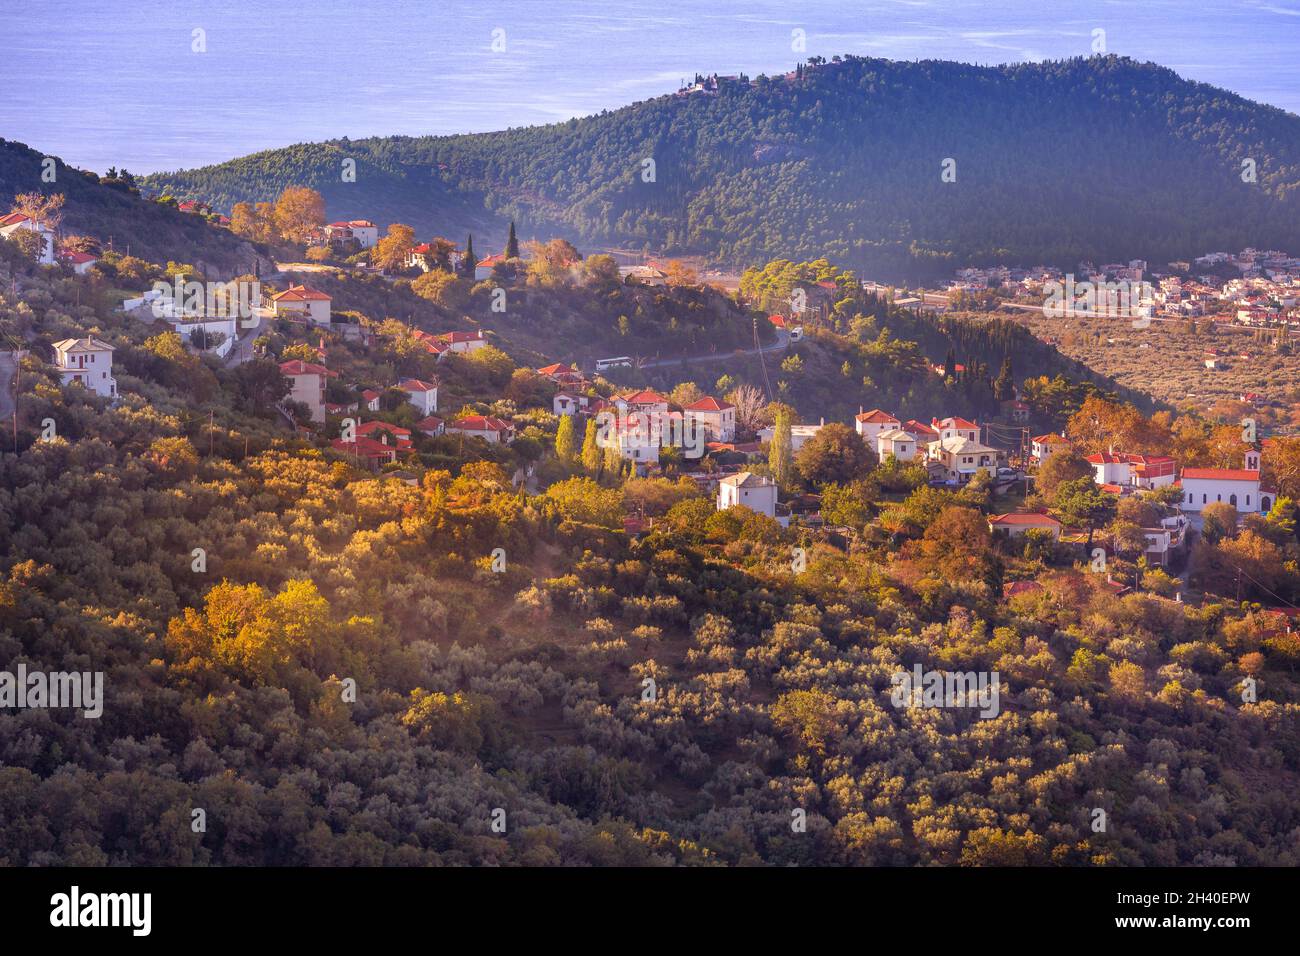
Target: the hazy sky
(116, 82)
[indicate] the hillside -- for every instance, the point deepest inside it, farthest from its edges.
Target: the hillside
(346, 680)
(150, 231)
(1102, 158)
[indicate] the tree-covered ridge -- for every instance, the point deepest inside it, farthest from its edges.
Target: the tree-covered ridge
(1099, 158)
(111, 208)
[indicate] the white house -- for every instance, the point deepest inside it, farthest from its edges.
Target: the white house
(463, 341)
(15, 221)
(639, 437)
(483, 268)
(647, 400)
(490, 429)
(756, 492)
(80, 261)
(1017, 523)
(963, 458)
(568, 403)
(303, 302)
(1136, 471)
(362, 230)
(1109, 469)
(872, 423)
(718, 418)
(308, 385)
(87, 361)
(1045, 446)
(956, 428)
(798, 434)
(433, 426)
(1238, 487)
(423, 395)
(897, 443)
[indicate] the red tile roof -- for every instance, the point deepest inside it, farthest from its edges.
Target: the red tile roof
(365, 448)
(1221, 474)
(1025, 519)
(877, 417)
(397, 431)
(954, 422)
(461, 336)
(416, 385)
(644, 397)
(480, 423)
(299, 367)
(301, 293)
(708, 404)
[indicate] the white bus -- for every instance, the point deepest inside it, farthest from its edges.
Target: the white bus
(623, 361)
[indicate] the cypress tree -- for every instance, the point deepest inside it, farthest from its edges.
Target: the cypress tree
(468, 263)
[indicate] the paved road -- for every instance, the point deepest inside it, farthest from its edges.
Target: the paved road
(243, 348)
(782, 342)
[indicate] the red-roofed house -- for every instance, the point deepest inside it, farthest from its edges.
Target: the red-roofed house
(483, 268)
(490, 429)
(717, 417)
(367, 450)
(561, 373)
(872, 423)
(646, 400)
(304, 302)
(956, 428)
(386, 433)
(433, 426)
(80, 261)
(308, 385)
(923, 432)
(463, 341)
(1017, 523)
(423, 395)
(431, 343)
(568, 403)
(1133, 471)
(15, 221)
(370, 399)
(1045, 446)
(362, 230)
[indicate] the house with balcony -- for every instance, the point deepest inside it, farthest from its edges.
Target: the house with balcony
(961, 459)
(88, 362)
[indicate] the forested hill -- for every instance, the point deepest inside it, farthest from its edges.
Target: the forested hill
(1100, 158)
(108, 209)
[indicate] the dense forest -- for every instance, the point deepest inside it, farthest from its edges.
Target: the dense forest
(1099, 158)
(431, 666)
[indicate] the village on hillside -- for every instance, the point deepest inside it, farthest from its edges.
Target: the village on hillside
(729, 446)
